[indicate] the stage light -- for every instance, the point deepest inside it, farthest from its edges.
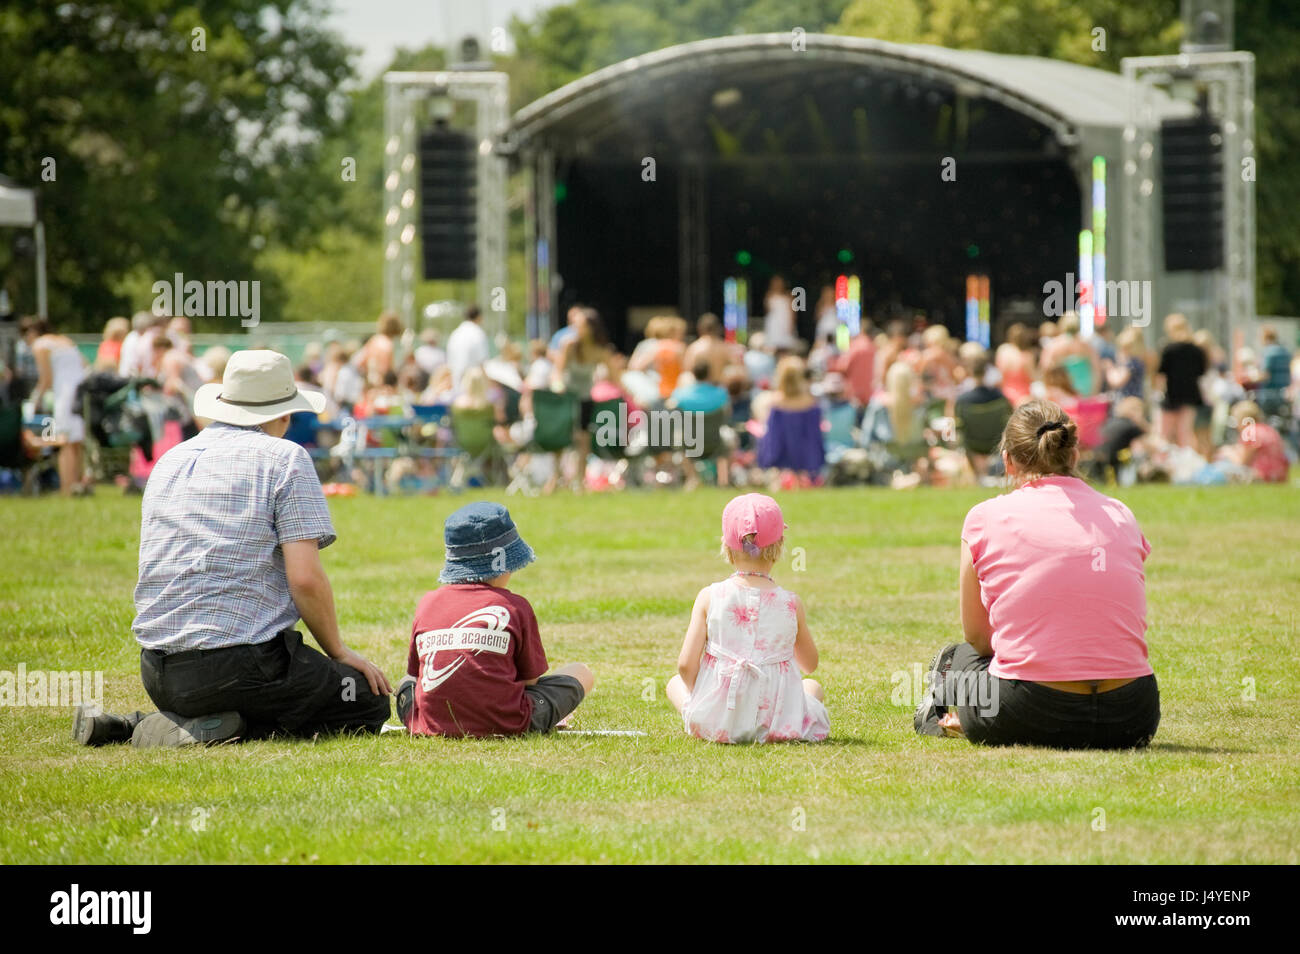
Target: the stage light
(735, 309)
(972, 307)
(743, 257)
(848, 309)
(842, 312)
(844, 255)
(855, 311)
(984, 299)
(1098, 318)
(978, 309)
(1085, 280)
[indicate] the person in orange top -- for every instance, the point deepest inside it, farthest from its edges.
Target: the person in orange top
(662, 351)
(109, 354)
(670, 355)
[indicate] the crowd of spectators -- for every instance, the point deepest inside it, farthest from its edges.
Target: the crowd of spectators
(904, 404)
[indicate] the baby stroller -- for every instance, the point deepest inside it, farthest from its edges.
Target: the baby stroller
(115, 422)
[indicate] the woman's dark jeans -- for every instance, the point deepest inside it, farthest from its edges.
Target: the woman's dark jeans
(996, 711)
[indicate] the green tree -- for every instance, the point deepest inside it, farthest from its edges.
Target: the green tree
(165, 138)
(567, 42)
(1271, 30)
(1060, 29)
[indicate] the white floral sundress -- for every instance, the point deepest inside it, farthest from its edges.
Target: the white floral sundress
(749, 688)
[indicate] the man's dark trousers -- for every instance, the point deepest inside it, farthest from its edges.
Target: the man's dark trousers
(278, 686)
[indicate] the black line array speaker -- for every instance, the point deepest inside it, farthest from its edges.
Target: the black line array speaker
(1191, 170)
(448, 194)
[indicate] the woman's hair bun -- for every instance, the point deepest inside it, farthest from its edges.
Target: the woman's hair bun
(1040, 438)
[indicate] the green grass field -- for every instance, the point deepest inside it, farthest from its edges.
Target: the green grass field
(613, 587)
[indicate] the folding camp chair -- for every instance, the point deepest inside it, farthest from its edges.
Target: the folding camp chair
(476, 445)
(618, 451)
(555, 416)
(598, 428)
(714, 452)
(390, 431)
(19, 441)
(840, 436)
(980, 428)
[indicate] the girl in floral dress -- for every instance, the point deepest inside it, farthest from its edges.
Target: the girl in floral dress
(739, 672)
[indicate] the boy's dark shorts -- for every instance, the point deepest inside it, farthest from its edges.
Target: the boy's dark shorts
(554, 697)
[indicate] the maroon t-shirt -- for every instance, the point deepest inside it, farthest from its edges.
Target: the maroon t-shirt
(472, 648)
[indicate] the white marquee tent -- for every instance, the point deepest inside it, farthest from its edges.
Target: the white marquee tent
(18, 210)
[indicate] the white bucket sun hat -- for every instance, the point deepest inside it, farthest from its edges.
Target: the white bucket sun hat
(257, 387)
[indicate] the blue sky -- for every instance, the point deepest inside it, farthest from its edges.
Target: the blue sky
(380, 26)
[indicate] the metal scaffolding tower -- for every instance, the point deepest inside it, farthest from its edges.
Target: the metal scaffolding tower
(403, 93)
(1228, 303)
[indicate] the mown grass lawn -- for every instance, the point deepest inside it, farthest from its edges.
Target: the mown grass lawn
(613, 587)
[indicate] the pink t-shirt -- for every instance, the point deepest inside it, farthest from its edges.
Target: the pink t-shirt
(1060, 571)
(1270, 463)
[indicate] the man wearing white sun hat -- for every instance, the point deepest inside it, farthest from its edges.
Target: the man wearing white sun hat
(231, 527)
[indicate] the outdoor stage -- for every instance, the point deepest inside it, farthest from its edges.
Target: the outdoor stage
(653, 181)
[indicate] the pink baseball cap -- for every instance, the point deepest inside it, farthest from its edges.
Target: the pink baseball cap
(752, 513)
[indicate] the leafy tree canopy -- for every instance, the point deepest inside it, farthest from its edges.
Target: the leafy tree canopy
(165, 137)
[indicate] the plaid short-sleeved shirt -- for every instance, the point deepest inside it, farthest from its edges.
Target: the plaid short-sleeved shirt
(216, 509)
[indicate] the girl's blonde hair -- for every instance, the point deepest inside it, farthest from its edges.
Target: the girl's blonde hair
(899, 382)
(790, 379)
(1130, 341)
(1177, 328)
(115, 329)
(474, 391)
(935, 336)
(768, 554)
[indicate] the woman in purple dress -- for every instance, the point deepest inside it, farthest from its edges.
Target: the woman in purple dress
(793, 438)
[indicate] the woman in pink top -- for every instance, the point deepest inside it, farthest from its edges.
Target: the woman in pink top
(1259, 448)
(1053, 607)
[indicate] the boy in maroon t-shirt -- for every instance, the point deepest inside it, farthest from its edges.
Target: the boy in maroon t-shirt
(476, 665)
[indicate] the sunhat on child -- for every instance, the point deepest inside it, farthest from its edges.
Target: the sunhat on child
(482, 542)
(758, 514)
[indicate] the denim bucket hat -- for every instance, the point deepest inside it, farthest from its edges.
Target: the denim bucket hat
(482, 542)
